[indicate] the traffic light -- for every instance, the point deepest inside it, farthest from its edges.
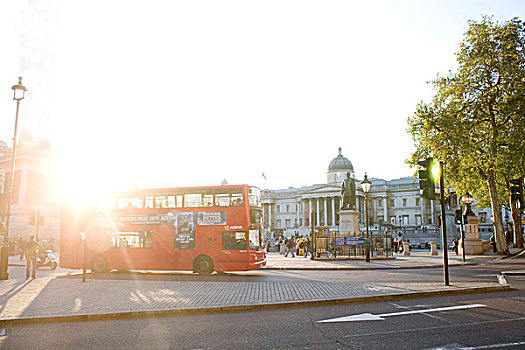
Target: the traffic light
(31, 220)
(458, 217)
(516, 190)
(428, 176)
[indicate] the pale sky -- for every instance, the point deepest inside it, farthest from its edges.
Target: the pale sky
(182, 93)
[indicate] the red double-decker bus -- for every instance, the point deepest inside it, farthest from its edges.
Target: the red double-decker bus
(200, 229)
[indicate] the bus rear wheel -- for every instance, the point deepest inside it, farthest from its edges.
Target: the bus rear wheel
(203, 265)
(99, 264)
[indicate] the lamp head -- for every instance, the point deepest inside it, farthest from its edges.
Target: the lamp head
(467, 198)
(365, 184)
(19, 90)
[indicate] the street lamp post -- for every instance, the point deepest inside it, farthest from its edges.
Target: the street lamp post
(19, 94)
(365, 184)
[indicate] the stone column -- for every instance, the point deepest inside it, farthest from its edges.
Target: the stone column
(325, 206)
(270, 216)
(333, 211)
(309, 210)
(318, 212)
(385, 210)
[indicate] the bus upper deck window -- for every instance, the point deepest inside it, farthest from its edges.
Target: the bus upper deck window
(229, 197)
(130, 202)
(201, 198)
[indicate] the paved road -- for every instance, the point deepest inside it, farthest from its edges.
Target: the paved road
(56, 294)
(497, 325)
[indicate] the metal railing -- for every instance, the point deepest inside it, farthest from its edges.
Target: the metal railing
(334, 245)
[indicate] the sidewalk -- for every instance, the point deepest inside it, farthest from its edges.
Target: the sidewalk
(61, 296)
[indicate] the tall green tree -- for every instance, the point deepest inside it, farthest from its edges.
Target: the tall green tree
(475, 122)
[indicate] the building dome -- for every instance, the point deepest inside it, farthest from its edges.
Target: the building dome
(341, 163)
(338, 168)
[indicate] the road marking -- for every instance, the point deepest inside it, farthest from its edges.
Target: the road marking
(479, 347)
(2, 332)
(372, 317)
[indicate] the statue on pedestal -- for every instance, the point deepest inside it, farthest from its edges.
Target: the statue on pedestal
(348, 193)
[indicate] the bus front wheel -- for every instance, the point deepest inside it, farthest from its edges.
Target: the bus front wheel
(99, 264)
(203, 265)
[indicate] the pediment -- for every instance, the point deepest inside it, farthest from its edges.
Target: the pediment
(323, 189)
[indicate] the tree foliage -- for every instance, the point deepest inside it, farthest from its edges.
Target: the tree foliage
(475, 122)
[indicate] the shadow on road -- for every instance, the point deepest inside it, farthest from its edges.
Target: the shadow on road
(252, 276)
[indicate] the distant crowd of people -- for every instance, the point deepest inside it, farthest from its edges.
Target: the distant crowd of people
(300, 246)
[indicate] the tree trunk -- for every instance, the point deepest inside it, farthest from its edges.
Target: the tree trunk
(501, 241)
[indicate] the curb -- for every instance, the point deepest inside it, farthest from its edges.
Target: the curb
(253, 307)
(367, 268)
(513, 273)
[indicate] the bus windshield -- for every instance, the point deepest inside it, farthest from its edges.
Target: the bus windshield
(254, 196)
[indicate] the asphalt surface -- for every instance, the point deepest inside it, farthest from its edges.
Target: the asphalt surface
(57, 296)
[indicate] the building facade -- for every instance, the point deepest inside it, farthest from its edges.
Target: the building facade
(33, 190)
(395, 206)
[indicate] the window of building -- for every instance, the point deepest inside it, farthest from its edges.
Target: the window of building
(287, 223)
(278, 223)
(418, 220)
(277, 208)
(287, 208)
(392, 203)
(417, 202)
(405, 220)
(380, 203)
(404, 202)
(482, 217)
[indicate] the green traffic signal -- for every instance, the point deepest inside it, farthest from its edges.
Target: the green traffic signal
(428, 177)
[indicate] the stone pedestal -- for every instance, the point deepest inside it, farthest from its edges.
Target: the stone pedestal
(349, 221)
(473, 245)
(433, 248)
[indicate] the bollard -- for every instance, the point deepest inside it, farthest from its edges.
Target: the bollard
(433, 248)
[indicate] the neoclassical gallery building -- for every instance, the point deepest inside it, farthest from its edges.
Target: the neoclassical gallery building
(395, 206)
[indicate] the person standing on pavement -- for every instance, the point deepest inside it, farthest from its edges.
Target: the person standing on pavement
(290, 247)
(32, 250)
(306, 246)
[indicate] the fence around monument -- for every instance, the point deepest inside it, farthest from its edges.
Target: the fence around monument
(335, 245)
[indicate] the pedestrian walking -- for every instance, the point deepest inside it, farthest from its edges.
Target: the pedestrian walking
(394, 245)
(32, 250)
(455, 245)
(493, 242)
(290, 247)
(306, 246)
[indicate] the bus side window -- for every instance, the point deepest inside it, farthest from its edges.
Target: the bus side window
(229, 197)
